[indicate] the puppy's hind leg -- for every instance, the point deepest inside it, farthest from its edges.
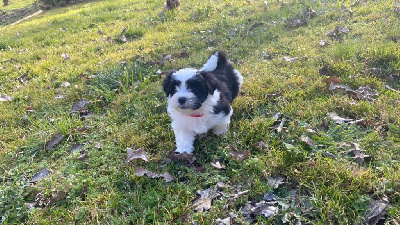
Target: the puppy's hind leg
(222, 126)
(220, 129)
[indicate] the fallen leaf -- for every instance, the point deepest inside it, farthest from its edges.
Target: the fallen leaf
(267, 209)
(203, 203)
(83, 156)
(136, 154)
(390, 88)
(80, 106)
(139, 171)
(274, 182)
(44, 201)
(186, 157)
(220, 186)
(217, 164)
(270, 197)
(276, 116)
(5, 98)
(56, 139)
(41, 175)
(332, 79)
(122, 38)
(76, 147)
(65, 57)
(30, 205)
(239, 156)
(358, 154)
(362, 93)
(65, 84)
(378, 211)
(23, 78)
(337, 119)
(296, 23)
(290, 59)
(307, 140)
(324, 43)
(311, 131)
(280, 127)
(262, 145)
(337, 31)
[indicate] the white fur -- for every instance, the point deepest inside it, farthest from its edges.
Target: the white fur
(186, 127)
(211, 63)
(239, 77)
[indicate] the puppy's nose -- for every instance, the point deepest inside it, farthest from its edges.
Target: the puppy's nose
(181, 100)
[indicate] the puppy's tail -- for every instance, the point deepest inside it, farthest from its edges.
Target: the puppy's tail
(216, 61)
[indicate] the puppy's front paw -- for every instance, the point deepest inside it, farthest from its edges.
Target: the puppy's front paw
(220, 130)
(183, 150)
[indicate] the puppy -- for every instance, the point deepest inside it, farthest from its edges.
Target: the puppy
(199, 100)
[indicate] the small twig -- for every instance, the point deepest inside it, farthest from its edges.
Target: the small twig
(279, 129)
(236, 196)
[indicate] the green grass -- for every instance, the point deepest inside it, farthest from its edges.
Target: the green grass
(15, 4)
(128, 110)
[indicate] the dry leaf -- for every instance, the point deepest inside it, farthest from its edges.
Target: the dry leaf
(362, 93)
(358, 154)
(338, 119)
(267, 209)
(239, 156)
(186, 157)
(290, 59)
(262, 145)
(332, 79)
(40, 176)
(307, 140)
(139, 171)
(76, 147)
(296, 23)
(324, 43)
(270, 197)
(79, 106)
(65, 57)
(57, 139)
(378, 211)
(65, 84)
(136, 154)
(203, 203)
(280, 127)
(217, 164)
(5, 98)
(274, 182)
(122, 38)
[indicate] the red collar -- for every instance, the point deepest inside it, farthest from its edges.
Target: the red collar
(196, 115)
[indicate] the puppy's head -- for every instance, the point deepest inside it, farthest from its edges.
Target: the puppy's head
(187, 89)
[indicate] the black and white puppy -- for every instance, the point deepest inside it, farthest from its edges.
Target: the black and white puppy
(199, 100)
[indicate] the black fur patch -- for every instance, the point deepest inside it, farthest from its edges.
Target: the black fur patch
(169, 84)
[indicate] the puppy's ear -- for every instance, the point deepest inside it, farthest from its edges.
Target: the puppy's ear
(167, 81)
(216, 61)
(211, 81)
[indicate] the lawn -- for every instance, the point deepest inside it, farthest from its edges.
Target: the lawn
(314, 139)
(15, 4)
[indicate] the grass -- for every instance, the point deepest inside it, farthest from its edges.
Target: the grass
(323, 183)
(15, 4)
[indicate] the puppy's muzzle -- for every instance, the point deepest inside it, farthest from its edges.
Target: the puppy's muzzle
(188, 103)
